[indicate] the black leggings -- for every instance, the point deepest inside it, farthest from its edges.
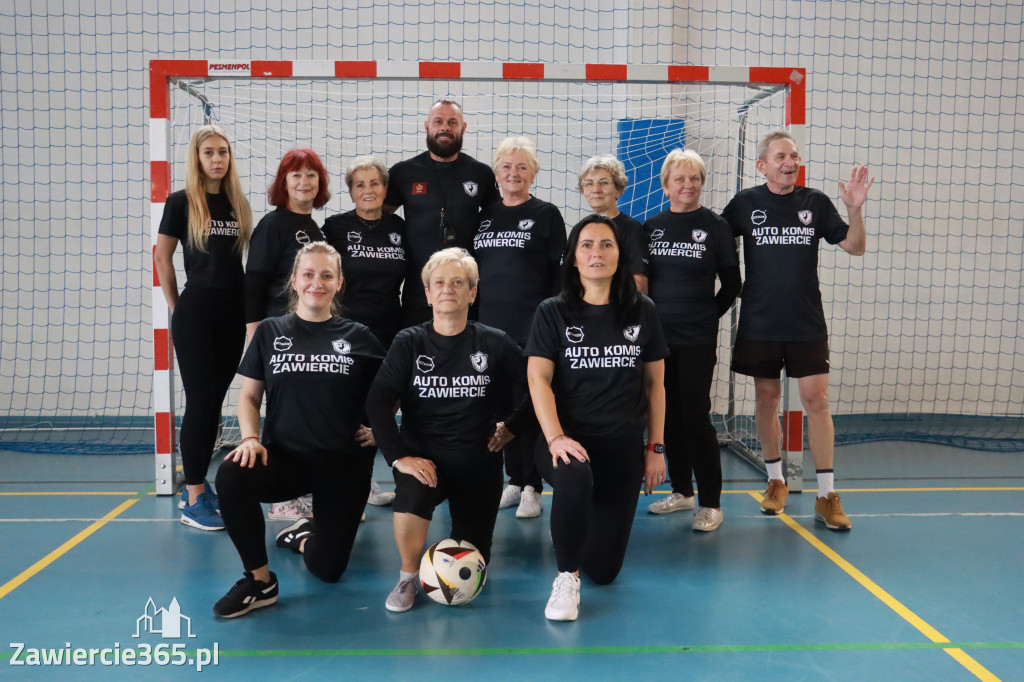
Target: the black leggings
(471, 482)
(209, 334)
(691, 443)
(339, 483)
(594, 504)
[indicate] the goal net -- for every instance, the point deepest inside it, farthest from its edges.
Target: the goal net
(572, 113)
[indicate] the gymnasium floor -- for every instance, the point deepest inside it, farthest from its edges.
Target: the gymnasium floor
(927, 585)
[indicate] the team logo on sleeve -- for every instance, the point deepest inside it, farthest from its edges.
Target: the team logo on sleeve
(301, 237)
(574, 334)
(471, 188)
(758, 217)
(631, 332)
(419, 188)
(805, 217)
(484, 226)
(354, 237)
(425, 364)
(342, 346)
(525, 224)
(699, 235)
(282, 343)
(479, 361)
(657, 234)
(395, 238)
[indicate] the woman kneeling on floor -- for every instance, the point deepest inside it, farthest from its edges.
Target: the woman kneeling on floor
(315, 368)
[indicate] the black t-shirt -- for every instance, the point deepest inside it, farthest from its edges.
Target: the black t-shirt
(424, 187)
(686, 252)
(599, 366)
(518, 249)
(317, 375)
(221, 266)
(373, 264)
(275, 241)
(781, 300)
(633, 237)
(451, 389)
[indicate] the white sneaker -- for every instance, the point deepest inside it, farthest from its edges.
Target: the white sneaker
(292, 510)
(529, 504)
(707, 519)
(564, 603)
(671, 503)
(510, 496)
(378, 497)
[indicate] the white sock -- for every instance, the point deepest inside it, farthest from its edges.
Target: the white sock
(775, 470)
(826, 482)
(405, 575)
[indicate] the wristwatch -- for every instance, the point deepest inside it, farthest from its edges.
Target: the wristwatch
(658, 448)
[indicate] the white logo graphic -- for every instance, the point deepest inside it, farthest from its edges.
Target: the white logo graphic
(484, 226)
(805, 217)
(470, 187)
(282, 343)
(525, 224)
(425, 363)
(396, 238)
(342, 346)
(355, 237)
(301, 237)
(574, 334)
(479, 361)
(163, 622)
(631, 332)
(657, 234)
(699, 236)
(758, 217)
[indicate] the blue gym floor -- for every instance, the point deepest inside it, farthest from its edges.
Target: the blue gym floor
(927, 585)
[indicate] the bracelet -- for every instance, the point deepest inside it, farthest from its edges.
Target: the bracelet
(249, 438)
(554, 438)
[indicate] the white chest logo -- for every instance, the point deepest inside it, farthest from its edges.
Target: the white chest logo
(525, 224)
(301, 237)
(699, 236)
(471, 188)
(342, 346)
(425, 363)
(282, 343)
(479, 361)
(484, 226)
(395, 238)
(631, 333)
(574, 334)
(657, 234)
(355, 237)
(805, 217)
(758, 217)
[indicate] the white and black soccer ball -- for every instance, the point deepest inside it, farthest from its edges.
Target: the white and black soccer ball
(452, 572)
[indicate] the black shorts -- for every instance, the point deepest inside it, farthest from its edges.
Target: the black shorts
(765, 359)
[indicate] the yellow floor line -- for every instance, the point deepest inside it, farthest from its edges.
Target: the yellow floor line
(35, 568)
(29, 494)
(927, 630)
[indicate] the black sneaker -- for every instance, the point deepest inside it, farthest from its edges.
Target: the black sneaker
(292, 536)
(247, 594)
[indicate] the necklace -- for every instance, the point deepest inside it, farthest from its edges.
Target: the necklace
(368, 224)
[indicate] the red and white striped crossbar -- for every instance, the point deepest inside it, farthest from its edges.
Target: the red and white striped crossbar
(162, 72)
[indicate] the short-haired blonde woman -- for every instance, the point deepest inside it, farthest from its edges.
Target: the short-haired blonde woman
(518, 245)
(451, 377)
(211, 217)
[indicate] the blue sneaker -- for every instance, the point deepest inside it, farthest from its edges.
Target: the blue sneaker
(207, 488)
(202, 514)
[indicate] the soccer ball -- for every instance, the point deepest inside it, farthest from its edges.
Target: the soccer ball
(452, 572)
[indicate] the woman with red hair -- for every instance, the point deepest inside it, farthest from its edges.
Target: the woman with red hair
(299, 187)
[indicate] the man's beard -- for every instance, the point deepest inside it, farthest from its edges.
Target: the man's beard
(444, 149)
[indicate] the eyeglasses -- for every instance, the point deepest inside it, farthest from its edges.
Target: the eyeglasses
(603, 184)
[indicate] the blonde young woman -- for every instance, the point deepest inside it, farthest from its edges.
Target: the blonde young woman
(211, 217)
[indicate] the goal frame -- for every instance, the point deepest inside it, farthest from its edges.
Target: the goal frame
(165, 73)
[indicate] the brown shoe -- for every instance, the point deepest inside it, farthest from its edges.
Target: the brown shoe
(775, 497)
(829, 510)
